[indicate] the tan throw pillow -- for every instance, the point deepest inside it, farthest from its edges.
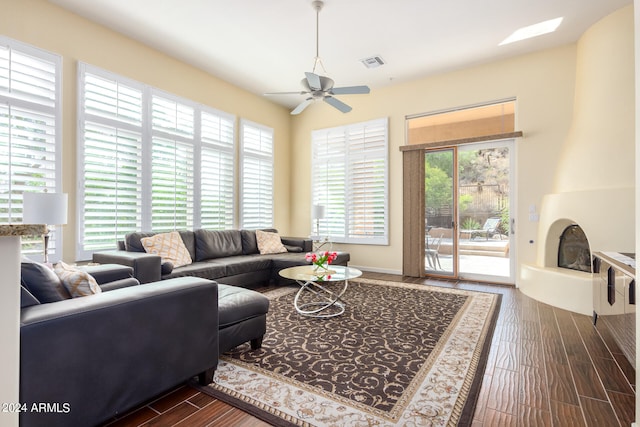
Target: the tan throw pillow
(78, 283)
(169, 246)
(269, 243)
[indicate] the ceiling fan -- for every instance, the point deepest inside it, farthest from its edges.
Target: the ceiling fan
(320, 87)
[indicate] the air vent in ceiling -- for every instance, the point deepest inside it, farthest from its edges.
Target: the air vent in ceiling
(372, 62)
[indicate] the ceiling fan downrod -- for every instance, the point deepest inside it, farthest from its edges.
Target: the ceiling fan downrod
(317, 5)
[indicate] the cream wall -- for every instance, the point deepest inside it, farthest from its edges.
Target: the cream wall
(598, 152)
(543, 84)
(46, 26)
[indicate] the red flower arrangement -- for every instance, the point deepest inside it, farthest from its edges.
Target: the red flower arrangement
(321, 260)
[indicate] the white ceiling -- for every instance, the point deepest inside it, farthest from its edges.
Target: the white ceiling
(267, 45)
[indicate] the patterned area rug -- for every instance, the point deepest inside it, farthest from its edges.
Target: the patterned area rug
(401, 354)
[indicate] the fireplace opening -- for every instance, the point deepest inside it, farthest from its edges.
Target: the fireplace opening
(574, 252)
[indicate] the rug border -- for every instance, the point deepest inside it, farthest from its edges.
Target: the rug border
(281, 419)
(466, 417)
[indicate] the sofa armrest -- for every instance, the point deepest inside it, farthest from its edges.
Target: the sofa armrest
(117, 284)
(146, 267)
(105, 273)
(102, 354)
(304, 243)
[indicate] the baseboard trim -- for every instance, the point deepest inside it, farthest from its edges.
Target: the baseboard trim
(377, 270)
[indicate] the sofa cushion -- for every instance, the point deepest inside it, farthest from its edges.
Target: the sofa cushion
(169, 246)
(211, 269)
(281, 261)
(132, 241)
(211, 244)
(79, 283)
(41, 281)
(269, 243)
(246, 264)
(249, 242)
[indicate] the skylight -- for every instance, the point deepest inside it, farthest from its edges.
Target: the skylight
(534, 30)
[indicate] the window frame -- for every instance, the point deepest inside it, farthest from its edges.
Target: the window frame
(341, 136)
(35, 247)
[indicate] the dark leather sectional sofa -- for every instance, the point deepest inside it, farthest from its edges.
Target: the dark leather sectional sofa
(93, 357)
(226, 256)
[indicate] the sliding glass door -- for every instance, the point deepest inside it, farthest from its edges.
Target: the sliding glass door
(440, 211)
(468, 206)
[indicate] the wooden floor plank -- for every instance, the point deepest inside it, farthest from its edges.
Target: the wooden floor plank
(503, 395)
(623, 406)
(173, 415)
(528, 416)
(598, 413)
(533, 388)
(612, 377)
(564, 414)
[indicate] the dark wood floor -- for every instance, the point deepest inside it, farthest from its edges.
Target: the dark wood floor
(547, 367)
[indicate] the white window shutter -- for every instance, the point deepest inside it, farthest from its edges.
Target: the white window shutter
(109, 158)
(257, 176)
(30, 111)
(217, 207)
(350, 176)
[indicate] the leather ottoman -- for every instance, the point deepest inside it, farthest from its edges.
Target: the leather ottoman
(242, 315)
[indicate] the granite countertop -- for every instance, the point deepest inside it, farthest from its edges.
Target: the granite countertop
(7, 230)
(624, 261)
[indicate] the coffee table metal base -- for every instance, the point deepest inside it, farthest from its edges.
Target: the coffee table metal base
(326, 304)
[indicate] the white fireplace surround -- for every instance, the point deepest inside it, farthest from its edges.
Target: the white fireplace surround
(599, 213)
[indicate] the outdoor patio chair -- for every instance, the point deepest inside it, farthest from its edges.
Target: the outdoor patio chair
(432, 253)
(489, 228)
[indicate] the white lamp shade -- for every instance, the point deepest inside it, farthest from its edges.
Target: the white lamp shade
(44, 208)
(317, 212)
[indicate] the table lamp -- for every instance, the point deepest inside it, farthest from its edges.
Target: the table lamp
(44, 208)
(317, 212)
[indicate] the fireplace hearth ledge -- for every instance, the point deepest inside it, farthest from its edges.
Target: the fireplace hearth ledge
(567, 289)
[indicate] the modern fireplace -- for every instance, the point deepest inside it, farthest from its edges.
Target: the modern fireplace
(573, 250)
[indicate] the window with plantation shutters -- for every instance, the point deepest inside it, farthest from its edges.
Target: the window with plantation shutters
(257, 176)
(30, 129)
(349, 178)
(150, 161)
(218, 171)
(172, 163)
(110, 160)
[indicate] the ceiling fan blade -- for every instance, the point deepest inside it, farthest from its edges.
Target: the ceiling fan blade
(302, 106)
(350, 90)
(337, 103)
(285, 93)
(314, 81)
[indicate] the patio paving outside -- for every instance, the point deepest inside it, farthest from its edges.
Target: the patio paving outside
(495, 264)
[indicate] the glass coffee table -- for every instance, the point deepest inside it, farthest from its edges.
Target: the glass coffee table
(320, 291)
